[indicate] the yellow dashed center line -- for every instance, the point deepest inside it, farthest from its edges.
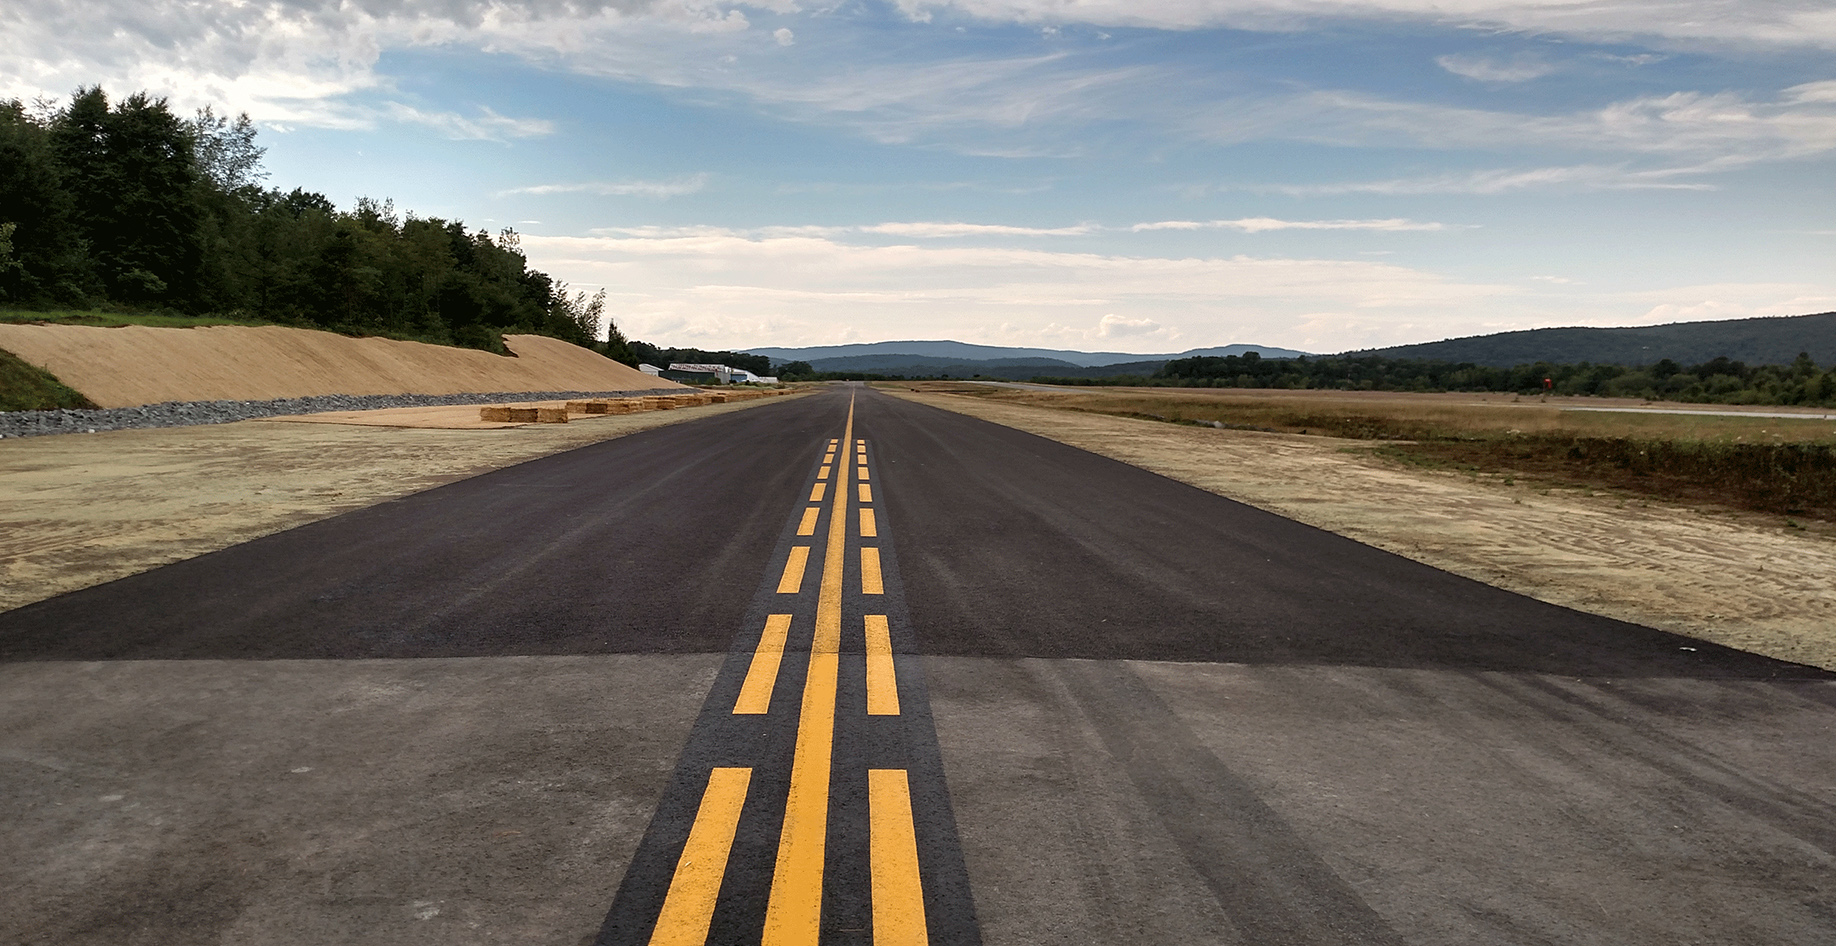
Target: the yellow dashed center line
(898, 894)
(793, 914)
(688, 908)
(792, 580)
(882, 679)
(762, 676)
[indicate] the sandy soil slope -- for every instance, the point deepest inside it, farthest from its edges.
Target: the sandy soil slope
(78, 510)
(1735, 579)
(135, 365)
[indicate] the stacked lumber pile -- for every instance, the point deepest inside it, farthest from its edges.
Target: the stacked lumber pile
(532, 414)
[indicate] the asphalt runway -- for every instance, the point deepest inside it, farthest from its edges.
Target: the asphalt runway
(848, 669)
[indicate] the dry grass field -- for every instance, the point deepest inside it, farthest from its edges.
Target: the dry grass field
(1783, 466)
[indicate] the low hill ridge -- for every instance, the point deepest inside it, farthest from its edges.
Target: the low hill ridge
(944, 352)
(1774, 340)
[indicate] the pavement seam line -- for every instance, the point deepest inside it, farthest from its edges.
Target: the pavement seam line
(793, 912)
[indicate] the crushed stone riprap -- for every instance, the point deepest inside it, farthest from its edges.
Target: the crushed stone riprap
(189, 413)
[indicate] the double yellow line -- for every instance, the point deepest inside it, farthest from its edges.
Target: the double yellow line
(793, 914)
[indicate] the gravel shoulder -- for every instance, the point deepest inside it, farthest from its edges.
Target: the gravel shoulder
(1735, 579)
(80, 510)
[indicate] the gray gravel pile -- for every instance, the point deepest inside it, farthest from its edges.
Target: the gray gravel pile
(187, 413)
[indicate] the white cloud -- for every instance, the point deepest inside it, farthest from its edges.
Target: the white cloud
(1728, 300)
(1507, 180)
(1116, 326)
(943, 230)
(488, 126)
(1517, 69)
(315, 62)
(784, 36)
(291, 61)
(1265, 224)
(728, 287)
(720, 288)
(1700, 127)
(674, 187)
(1822, 93)
(1750, 22)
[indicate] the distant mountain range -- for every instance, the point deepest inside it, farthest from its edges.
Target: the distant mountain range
(1763, 341)
(948, 352)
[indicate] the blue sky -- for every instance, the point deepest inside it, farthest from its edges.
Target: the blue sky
(1097, 174)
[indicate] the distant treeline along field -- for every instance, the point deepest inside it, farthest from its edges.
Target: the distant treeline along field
(1717, 381)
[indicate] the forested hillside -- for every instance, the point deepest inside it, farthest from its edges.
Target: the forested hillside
(126, 205)
(1766, 341)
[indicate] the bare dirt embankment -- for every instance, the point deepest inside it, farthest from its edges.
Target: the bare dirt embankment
(1734, 578)
(134, 365)
(79, 510)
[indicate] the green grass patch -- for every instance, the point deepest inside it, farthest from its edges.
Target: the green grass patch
(27, 387)
(1792, 479)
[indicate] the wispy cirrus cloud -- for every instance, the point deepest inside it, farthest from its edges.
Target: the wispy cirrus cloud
(942, 231)
(947, 230)
(1509, 180)
(487, 125)
(1521, 68)
(1266, 224)
(661, 190)
(318, 62)
(1751, 22)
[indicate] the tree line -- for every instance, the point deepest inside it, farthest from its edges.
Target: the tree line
(127, 205)
(1719, 381)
